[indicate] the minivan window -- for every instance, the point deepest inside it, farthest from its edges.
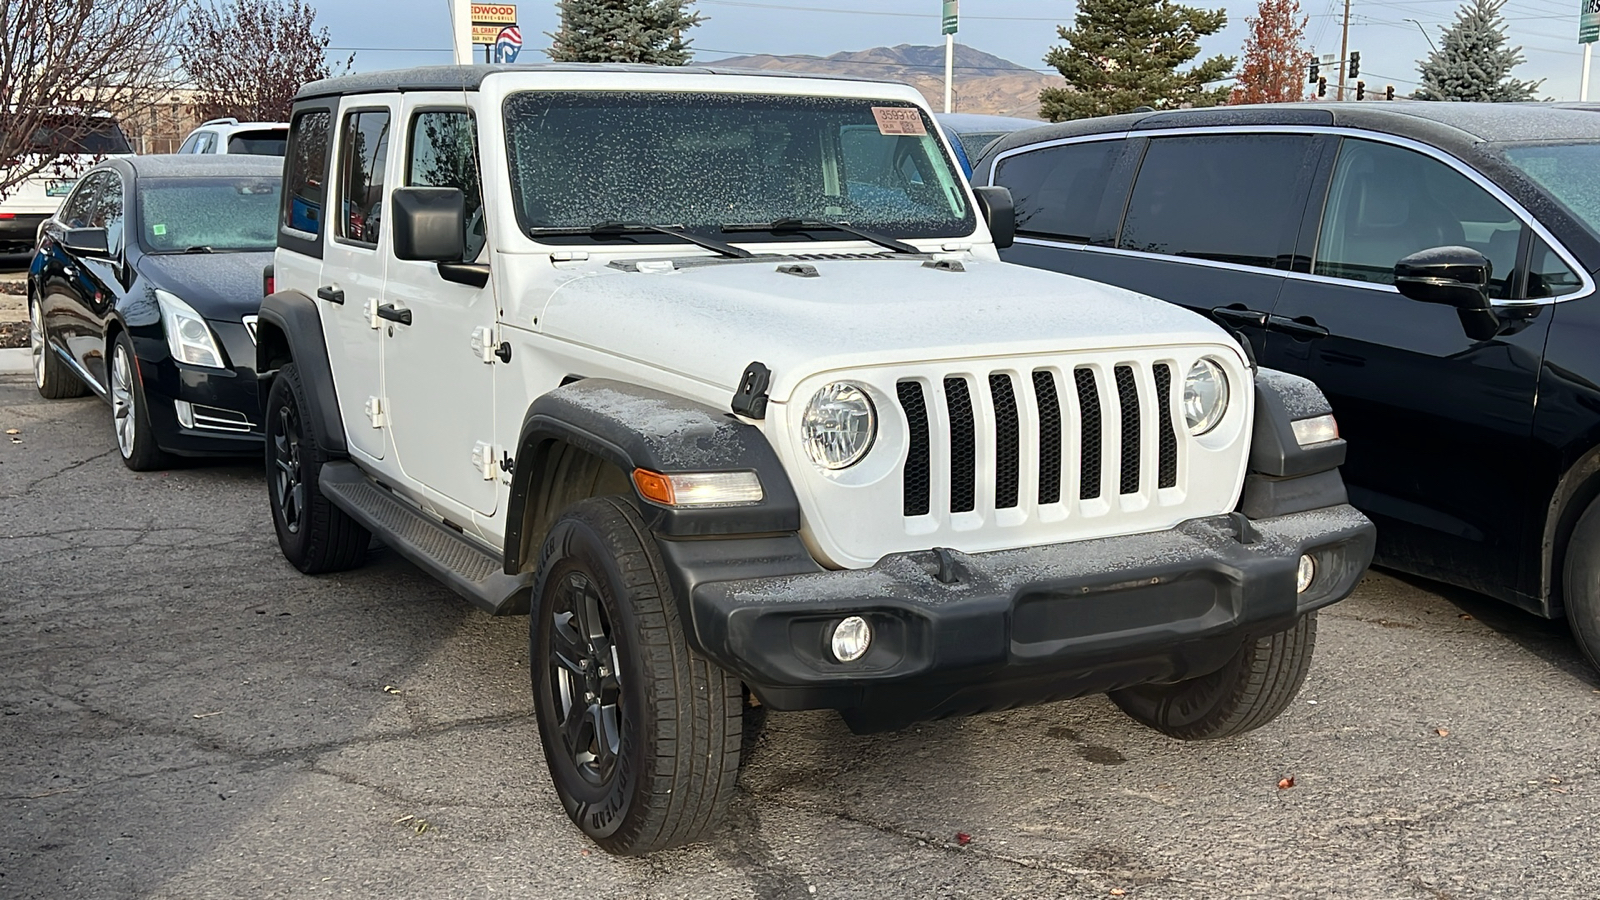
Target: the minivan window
(79, 135)
(1057, 190)
(363, 148)
(1387, 202)
(1233, 198)
(307, 166)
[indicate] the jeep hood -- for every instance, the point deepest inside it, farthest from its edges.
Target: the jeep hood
(709, 319)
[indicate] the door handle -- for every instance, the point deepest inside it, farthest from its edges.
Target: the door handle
(394, 313)
(1239, 316)
(1305, 329)
(330, 294)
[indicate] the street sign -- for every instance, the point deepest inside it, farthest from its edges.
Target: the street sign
(950, 16)
(508, 44)
(1589, 21)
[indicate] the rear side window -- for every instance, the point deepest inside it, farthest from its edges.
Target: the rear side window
(1230, 198)
(306, 170)
(363, 147)
(257, 143)
(444, 153)
(1057, 190)
(109, 213)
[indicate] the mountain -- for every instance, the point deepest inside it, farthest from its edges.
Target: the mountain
(984, 83)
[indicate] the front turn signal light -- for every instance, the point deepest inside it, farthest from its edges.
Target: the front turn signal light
(697, 490)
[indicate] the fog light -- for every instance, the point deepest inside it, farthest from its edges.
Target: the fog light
(851, 638)
(185, 413)
(1306, 574)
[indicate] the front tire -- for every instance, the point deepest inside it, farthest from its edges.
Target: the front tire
(315, 535)
(641, 734)
(130, 412)
(1581, 583)
(50, 373)
(1250, 690)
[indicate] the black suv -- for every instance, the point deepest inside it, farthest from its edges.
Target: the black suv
(1473, 416)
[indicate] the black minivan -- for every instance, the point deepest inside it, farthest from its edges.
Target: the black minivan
(1429, 265)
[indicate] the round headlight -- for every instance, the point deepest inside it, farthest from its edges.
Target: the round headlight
(1205, 396)
(838, 425)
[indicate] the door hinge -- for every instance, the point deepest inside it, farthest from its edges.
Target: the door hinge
(483, 343)
(483, 459)
(377, 412)
(372, 313)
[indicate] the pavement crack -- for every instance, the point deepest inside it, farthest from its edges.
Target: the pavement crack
(65, 469)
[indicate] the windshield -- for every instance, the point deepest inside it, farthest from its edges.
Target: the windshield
(60, 135)
(704, 161)
(211, 214)
(1568, 172)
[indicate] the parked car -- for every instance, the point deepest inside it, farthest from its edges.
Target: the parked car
(222, 136)
(144, 289)
(969, 133)
(1429, 265)
(72, 142)
(726, 427)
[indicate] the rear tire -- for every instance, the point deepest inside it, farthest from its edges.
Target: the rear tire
(1580, 584)
(315, 535)
(642, 734)
(1249, 691)
(51, 375)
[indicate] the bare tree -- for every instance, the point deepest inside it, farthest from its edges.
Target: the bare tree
(64, 61)
(247, 60)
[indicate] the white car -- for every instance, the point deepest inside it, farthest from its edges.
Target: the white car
(229, 135)
(73, 142)
(720, 377)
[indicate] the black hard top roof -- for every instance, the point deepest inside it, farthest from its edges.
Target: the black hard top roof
(469, 78)
(1449, 126)
(176, 165)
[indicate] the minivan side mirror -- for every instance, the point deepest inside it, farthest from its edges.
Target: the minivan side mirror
(87, 241)
(995, 204)
(428, 223)
(1453, 276)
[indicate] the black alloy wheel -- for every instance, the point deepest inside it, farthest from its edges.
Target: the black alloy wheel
(315, 535)
(288, 484)
(584, 681)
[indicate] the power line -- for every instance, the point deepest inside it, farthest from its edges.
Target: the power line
(871, 12)
(850, 62)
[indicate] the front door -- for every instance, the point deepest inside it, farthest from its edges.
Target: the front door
(1437, 423)
(439, 369)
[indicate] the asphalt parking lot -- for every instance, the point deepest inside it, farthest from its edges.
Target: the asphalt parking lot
(182, 715)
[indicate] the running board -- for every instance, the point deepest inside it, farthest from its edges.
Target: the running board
(452, 558)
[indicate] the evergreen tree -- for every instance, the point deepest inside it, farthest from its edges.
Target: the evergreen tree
(1472, 62)
(631, 31)
(1274, 69)
(1123, 54)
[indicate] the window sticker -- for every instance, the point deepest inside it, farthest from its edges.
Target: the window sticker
(898, 120)
(158, 229)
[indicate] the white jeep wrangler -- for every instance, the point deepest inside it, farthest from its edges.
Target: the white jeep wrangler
(719, 376)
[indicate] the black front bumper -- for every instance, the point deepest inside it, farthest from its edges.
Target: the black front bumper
(1025, 626)
(225, 418)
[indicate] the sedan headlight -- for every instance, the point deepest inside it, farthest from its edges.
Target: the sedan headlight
(1205, 396)
(188, 336)
(838, 425)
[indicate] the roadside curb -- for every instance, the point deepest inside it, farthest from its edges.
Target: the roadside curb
(16, 360)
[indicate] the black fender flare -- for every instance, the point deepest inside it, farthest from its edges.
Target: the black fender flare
(1285, 477)
(289, 328)
(636, 427)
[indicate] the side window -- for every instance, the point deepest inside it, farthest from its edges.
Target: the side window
(1387, 202)
(1231, 198)
(109, 214)
(1057, 190)
(363, 146)
(444, 153)
(189, 143)
(307, 167)
(1548, 276)
(78, 211)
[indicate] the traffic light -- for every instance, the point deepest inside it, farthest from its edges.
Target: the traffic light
(1355, 63)
(1388, 92)
(1315, 70)
(1322, 87)
(1361, 90)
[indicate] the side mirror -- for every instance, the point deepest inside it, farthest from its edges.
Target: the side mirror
(428, 223)
(1453, 276)
(998, 211)
(87, 241)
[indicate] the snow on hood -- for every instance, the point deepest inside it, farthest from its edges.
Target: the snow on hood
(709, 321)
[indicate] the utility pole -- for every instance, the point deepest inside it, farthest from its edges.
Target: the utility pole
(1344, 47)
(461, 30)
(948, 24)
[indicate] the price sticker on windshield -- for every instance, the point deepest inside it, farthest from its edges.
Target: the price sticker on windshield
(898, 120)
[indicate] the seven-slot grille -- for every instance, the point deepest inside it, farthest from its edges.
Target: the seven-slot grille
(1085, 421)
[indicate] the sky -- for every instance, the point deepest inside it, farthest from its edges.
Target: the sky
(404, 33)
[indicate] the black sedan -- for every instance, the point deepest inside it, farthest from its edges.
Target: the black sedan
(144, 289)
(1432, 266)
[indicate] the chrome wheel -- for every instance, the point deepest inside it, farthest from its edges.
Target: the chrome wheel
(36, 340)
(122, 401)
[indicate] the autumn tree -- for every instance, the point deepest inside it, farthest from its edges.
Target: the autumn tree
(1473, 62)
(1123, 54)
(1275, 63)
(249, 58)
(629, 31)
(64, 61)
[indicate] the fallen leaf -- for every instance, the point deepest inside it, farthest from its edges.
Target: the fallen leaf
(1118, 892)
(1442, 732)
(1286, 783)
(390, 689)
(585, 853)
(1464, 616)
(422, 825)
(207, 715)
(13, 431)
(963, 838)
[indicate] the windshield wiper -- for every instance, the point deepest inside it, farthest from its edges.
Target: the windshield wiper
(780, 226)
(198, 249)
(605, 229)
